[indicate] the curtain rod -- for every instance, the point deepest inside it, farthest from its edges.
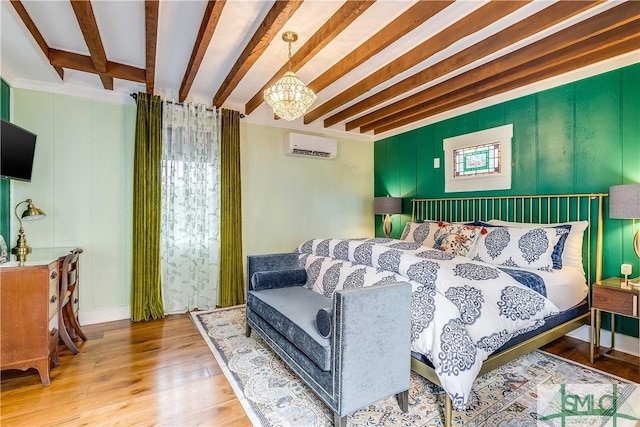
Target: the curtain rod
(135, 96)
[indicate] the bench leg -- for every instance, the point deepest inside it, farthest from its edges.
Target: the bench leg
(247, 331)
(339, 421)
(403, 400)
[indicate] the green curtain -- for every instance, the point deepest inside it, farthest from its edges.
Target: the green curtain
(146, 298)
(231, 289)
(5, 187)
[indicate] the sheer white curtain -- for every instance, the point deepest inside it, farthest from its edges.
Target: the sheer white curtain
(190, 229)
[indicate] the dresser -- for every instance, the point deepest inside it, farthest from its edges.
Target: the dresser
(29, 313)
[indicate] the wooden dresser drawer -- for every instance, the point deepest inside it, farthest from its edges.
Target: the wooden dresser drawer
(54, 288)
(615, 300)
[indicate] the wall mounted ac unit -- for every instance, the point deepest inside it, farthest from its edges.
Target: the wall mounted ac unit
(298, 144)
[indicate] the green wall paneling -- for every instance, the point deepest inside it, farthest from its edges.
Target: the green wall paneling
(5, 189)
(555, 129)
(598, 148)
(426, 151)
(580, 137)
(523, 155)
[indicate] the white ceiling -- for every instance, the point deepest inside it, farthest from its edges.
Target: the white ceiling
(121, 27)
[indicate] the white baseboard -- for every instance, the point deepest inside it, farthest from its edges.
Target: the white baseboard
(103, 316)
(624, 343)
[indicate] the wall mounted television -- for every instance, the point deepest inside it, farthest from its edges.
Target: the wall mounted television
(17, 147)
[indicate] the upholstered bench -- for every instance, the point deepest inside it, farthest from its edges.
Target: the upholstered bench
(351, 350)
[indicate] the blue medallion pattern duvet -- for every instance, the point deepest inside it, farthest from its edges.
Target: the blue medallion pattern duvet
(462, 310)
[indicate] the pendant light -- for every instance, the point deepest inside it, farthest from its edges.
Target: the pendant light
(289, 97)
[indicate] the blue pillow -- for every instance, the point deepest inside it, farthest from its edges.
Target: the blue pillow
(278, 279)
(556, 256)
(323, 321)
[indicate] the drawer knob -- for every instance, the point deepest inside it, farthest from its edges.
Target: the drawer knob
(53, 299)
(54, 274)
(75, 301)
(54, 331)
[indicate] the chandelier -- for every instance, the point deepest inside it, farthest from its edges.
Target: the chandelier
(289, 97)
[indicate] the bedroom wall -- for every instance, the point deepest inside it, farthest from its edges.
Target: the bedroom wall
(82, 179)
(5, 188)
(576, 138)
(287, 200)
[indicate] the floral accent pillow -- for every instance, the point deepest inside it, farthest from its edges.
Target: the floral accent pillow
(517, 247)
(420, 232)
(456, 239)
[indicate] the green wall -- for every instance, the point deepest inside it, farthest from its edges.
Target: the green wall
(5, 195)
(577, 138)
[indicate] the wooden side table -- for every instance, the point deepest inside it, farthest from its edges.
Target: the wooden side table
(613, 296)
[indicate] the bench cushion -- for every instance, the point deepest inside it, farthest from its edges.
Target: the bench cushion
(292, 312)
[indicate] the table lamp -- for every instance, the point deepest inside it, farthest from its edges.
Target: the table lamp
(387, 206)
(31, 213)
(624, 203)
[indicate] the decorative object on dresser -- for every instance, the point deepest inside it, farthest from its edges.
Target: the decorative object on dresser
(31, 213)
(387, 206)
(69, 302)
(616, 297)
(30, 310)
(624, 203)
(289, 97)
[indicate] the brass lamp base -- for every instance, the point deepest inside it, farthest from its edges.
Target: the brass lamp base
(386, 226)
(22, 249)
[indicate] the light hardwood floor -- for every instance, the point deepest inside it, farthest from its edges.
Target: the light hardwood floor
(161, 373)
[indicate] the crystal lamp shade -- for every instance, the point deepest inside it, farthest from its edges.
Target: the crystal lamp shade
(289, 97)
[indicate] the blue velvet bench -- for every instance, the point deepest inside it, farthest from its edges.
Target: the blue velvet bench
(351, 350)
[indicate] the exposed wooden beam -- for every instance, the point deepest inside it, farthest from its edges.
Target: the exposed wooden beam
(151, 10)
(340, 20)
(413, 17)
(89, 27)
(474, 94)
(591, 27)
(471, 23)
(278, 15)
(557, 63)
(84, 63)
(35, 33)
(535, 23)
(208, 26)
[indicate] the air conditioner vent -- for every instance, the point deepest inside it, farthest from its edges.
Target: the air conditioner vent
(302, 145)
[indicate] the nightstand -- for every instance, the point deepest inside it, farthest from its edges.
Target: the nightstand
(615, 297)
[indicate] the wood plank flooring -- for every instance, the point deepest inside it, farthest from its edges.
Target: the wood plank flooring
(162, 373)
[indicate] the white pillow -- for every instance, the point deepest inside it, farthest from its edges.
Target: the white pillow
(516, 247)
(420, 232)
(572, 252)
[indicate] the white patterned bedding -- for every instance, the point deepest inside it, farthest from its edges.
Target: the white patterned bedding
(462, 310)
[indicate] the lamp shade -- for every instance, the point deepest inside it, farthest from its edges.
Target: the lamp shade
(387, 205)
(32, 212)
(624, 201)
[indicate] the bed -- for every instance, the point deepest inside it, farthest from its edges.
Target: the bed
(528, 261)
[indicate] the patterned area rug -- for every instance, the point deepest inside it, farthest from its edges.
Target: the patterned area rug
(273, 396)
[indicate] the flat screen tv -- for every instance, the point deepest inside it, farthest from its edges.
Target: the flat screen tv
(17, 147)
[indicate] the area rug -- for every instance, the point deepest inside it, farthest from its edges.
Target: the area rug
(508, 396)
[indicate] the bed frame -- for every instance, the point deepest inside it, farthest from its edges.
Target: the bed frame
(527, 209)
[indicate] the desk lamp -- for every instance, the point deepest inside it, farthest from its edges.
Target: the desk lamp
(31, 213)
(387, 206)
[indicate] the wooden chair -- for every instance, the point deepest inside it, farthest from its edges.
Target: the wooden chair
(68, 323)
